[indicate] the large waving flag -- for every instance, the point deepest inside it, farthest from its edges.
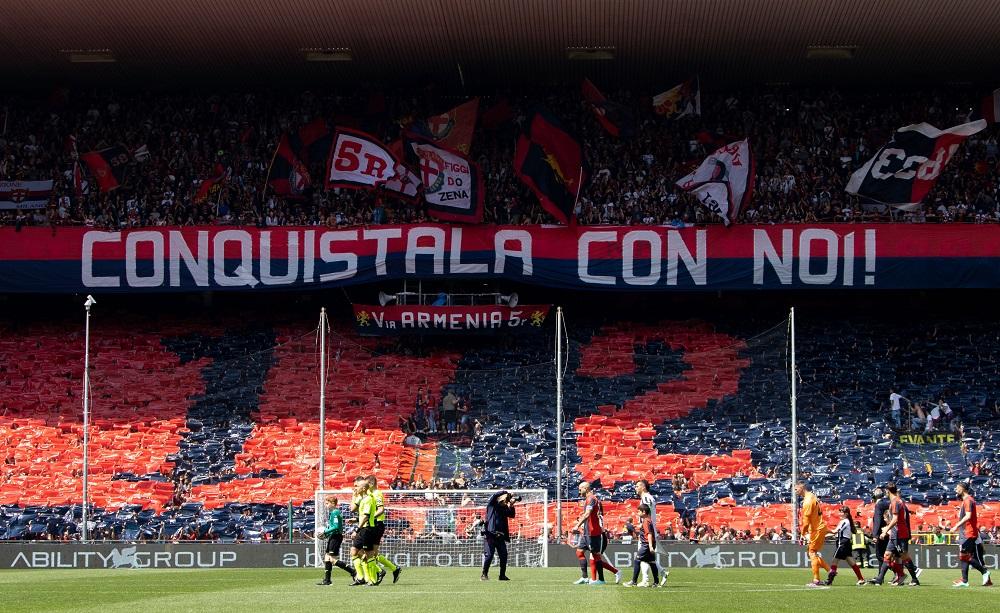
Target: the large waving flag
(107, 166)
(454, 129)
(288, 175)
(679, 101)
(218, 176)
(550, 162)
(453, 184)
(902, 172)
(613, 117)
(360, 161)
(724, 181)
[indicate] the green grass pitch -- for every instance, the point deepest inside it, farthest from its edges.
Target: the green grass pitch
(435, 589)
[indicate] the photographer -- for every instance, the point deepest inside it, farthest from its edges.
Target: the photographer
(497, 534)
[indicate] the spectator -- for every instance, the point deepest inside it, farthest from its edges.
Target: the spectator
(807, 144)
(449, 410)
(894, 409)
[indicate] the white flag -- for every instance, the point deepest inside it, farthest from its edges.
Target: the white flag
(724, 181)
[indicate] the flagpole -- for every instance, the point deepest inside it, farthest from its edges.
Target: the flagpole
(795, 434)
(559, 360)
(84, 532)
(322, 398)
(267, 179)
(579, 186)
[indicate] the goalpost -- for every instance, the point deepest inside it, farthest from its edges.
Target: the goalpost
(443, 527)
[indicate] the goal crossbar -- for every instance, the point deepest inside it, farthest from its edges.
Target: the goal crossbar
(442, 527)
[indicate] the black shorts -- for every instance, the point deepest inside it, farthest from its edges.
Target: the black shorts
(844, 550)
(379, 531)
(880, 546)
(590, 543)
(898, 546)
(969, 546)
(333, 544)
(365, 538)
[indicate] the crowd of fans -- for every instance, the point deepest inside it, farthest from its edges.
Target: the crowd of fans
(806, 145)
(451, 416)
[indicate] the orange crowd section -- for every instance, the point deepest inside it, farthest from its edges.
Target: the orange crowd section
(365, 399)
(135, 425)
(616, 443)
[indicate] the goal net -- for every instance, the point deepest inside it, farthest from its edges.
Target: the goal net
(443, 527)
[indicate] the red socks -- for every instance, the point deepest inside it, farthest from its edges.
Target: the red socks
(857, 572)
(608, 566)
(593, 569)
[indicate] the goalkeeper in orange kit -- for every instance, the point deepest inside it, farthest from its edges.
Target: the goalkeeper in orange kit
(813, 531)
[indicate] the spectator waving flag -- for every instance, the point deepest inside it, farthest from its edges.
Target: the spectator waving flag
(453, 184)
(613, 117)
(141, 153)
(679, 101)
(550, 162)
(724, 181)
(907, 167)
(217, 177)
(288, 175)
(107, 166)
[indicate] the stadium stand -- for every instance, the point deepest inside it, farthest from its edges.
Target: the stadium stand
(806, 142)
(226, 438)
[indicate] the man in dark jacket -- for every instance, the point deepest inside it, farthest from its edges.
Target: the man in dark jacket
(880, 517)
(496, 532)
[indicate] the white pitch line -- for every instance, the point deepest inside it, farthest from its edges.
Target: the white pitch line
(665, 590)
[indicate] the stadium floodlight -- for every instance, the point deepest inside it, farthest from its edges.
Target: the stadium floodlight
(443, 527)
(384, 298)
(89, 56)
(327, 54)
(831, 52)
(590, 53)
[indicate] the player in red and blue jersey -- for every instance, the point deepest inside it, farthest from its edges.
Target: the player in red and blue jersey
(968, 527)
(590, 525)
(897, 552)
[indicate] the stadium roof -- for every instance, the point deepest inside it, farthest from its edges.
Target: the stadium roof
(507, 40)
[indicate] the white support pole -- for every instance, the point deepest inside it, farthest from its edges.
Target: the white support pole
(322, 398)
(795, 435)
(559, 368)
(84, 532)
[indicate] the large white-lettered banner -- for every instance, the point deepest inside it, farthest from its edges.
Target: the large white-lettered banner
(654, 258)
